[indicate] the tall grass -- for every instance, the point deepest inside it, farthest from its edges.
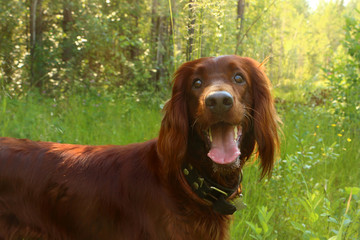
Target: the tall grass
(314, 191)
(87, 119)
(316, 174)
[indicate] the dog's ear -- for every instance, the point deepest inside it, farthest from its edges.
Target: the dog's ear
(173, 136)
(265, 119)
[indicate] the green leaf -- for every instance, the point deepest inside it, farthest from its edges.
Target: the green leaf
(255, 227)
(298, 226)
(353, 190)
(333, 220)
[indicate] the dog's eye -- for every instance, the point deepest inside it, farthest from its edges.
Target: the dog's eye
(239, 79)
(197, 83)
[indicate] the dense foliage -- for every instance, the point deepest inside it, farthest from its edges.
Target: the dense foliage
(57, 45)
(98, 72)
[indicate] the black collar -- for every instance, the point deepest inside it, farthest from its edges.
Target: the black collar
(210, 191)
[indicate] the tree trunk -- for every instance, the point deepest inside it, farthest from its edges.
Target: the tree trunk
(37, 65)
(191, 31)
(67, 26)
(161, 31)
(240, 14)
(134, 50)
(239, 23)
(171, 40)
(154, 41)
(159, 50)
(7, 48)
(154, 26)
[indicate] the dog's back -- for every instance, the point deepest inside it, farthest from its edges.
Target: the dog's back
(63, 191)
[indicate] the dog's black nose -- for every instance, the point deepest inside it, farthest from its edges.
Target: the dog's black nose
(219, 102)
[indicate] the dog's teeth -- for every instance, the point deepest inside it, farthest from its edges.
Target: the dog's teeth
(236, 132)
(210, 136)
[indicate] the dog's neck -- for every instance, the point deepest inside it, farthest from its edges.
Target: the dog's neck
(206, 184)
(211, 192)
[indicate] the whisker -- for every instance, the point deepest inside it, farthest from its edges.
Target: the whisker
(195, 121)
(252, 109)
(248, 116)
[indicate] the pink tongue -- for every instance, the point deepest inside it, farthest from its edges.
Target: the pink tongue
(224, 149)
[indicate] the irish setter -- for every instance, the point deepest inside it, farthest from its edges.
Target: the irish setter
(181, 185)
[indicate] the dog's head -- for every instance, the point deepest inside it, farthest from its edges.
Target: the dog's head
(226, 102)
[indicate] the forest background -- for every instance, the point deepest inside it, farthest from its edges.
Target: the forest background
(99, 71)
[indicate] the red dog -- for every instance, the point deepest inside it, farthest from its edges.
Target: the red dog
(179, 186)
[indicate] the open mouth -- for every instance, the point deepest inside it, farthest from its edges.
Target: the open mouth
(223, 141)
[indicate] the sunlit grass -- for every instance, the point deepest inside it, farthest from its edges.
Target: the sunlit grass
(90, 119)
(309, 188)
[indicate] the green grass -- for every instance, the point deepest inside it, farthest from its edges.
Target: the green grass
(312, 194)
(311, 182)
(89, 119)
